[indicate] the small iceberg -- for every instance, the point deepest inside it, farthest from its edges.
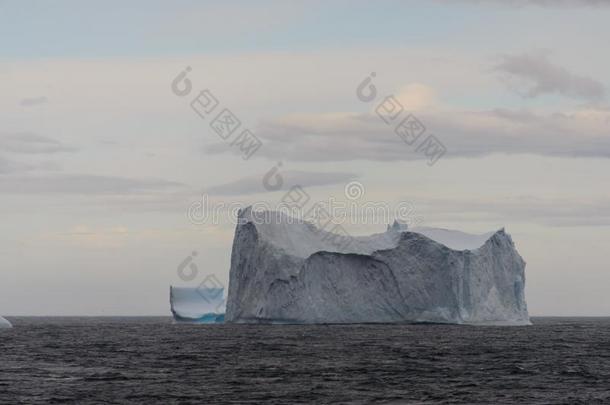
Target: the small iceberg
(4, 324)
(197, 305)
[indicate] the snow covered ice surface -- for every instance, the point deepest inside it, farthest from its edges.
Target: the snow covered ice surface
(4, 324)
(197, 304)
(454, 239)
(286, 271)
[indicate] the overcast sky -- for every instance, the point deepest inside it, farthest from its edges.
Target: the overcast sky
(100, 160)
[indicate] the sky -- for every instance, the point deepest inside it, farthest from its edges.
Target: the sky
(103, 156)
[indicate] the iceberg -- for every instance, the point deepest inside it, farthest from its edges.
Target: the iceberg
(4, 324)
(288, 271)
(197, 305)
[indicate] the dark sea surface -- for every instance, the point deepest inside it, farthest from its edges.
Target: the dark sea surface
(152, 360)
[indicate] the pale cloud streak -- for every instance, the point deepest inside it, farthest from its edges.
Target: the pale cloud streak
(33, 101)
(82, 184)
(31, 143)
(254, 184)
(554, 212)
(10, 166)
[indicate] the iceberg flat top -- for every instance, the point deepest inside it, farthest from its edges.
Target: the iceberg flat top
(455, 240)
(302, 238)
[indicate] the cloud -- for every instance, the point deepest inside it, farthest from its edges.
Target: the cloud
(537, 76)
(553, 211)
(82, 184)
(30, 143)
(10, 166)
(253, 185)
(33, 101)
(244, 19)
(364, 136)
(543, 3)
(416, 96)
(88, 236)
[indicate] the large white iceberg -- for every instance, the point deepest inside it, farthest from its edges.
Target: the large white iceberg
(4, 324)
(287, 271)
(197, 304)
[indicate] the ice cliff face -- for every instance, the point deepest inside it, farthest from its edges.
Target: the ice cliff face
(4, 324)
(289, 272)
(197, 304)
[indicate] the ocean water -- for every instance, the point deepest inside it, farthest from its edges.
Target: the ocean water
(152, 360)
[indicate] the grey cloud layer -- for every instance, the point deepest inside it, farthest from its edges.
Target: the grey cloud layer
(540, 77)
(344, 137)
(30, 143)
(33, 101)
(549, 212)
(82, 184)
(253, 185)
(10, 166)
